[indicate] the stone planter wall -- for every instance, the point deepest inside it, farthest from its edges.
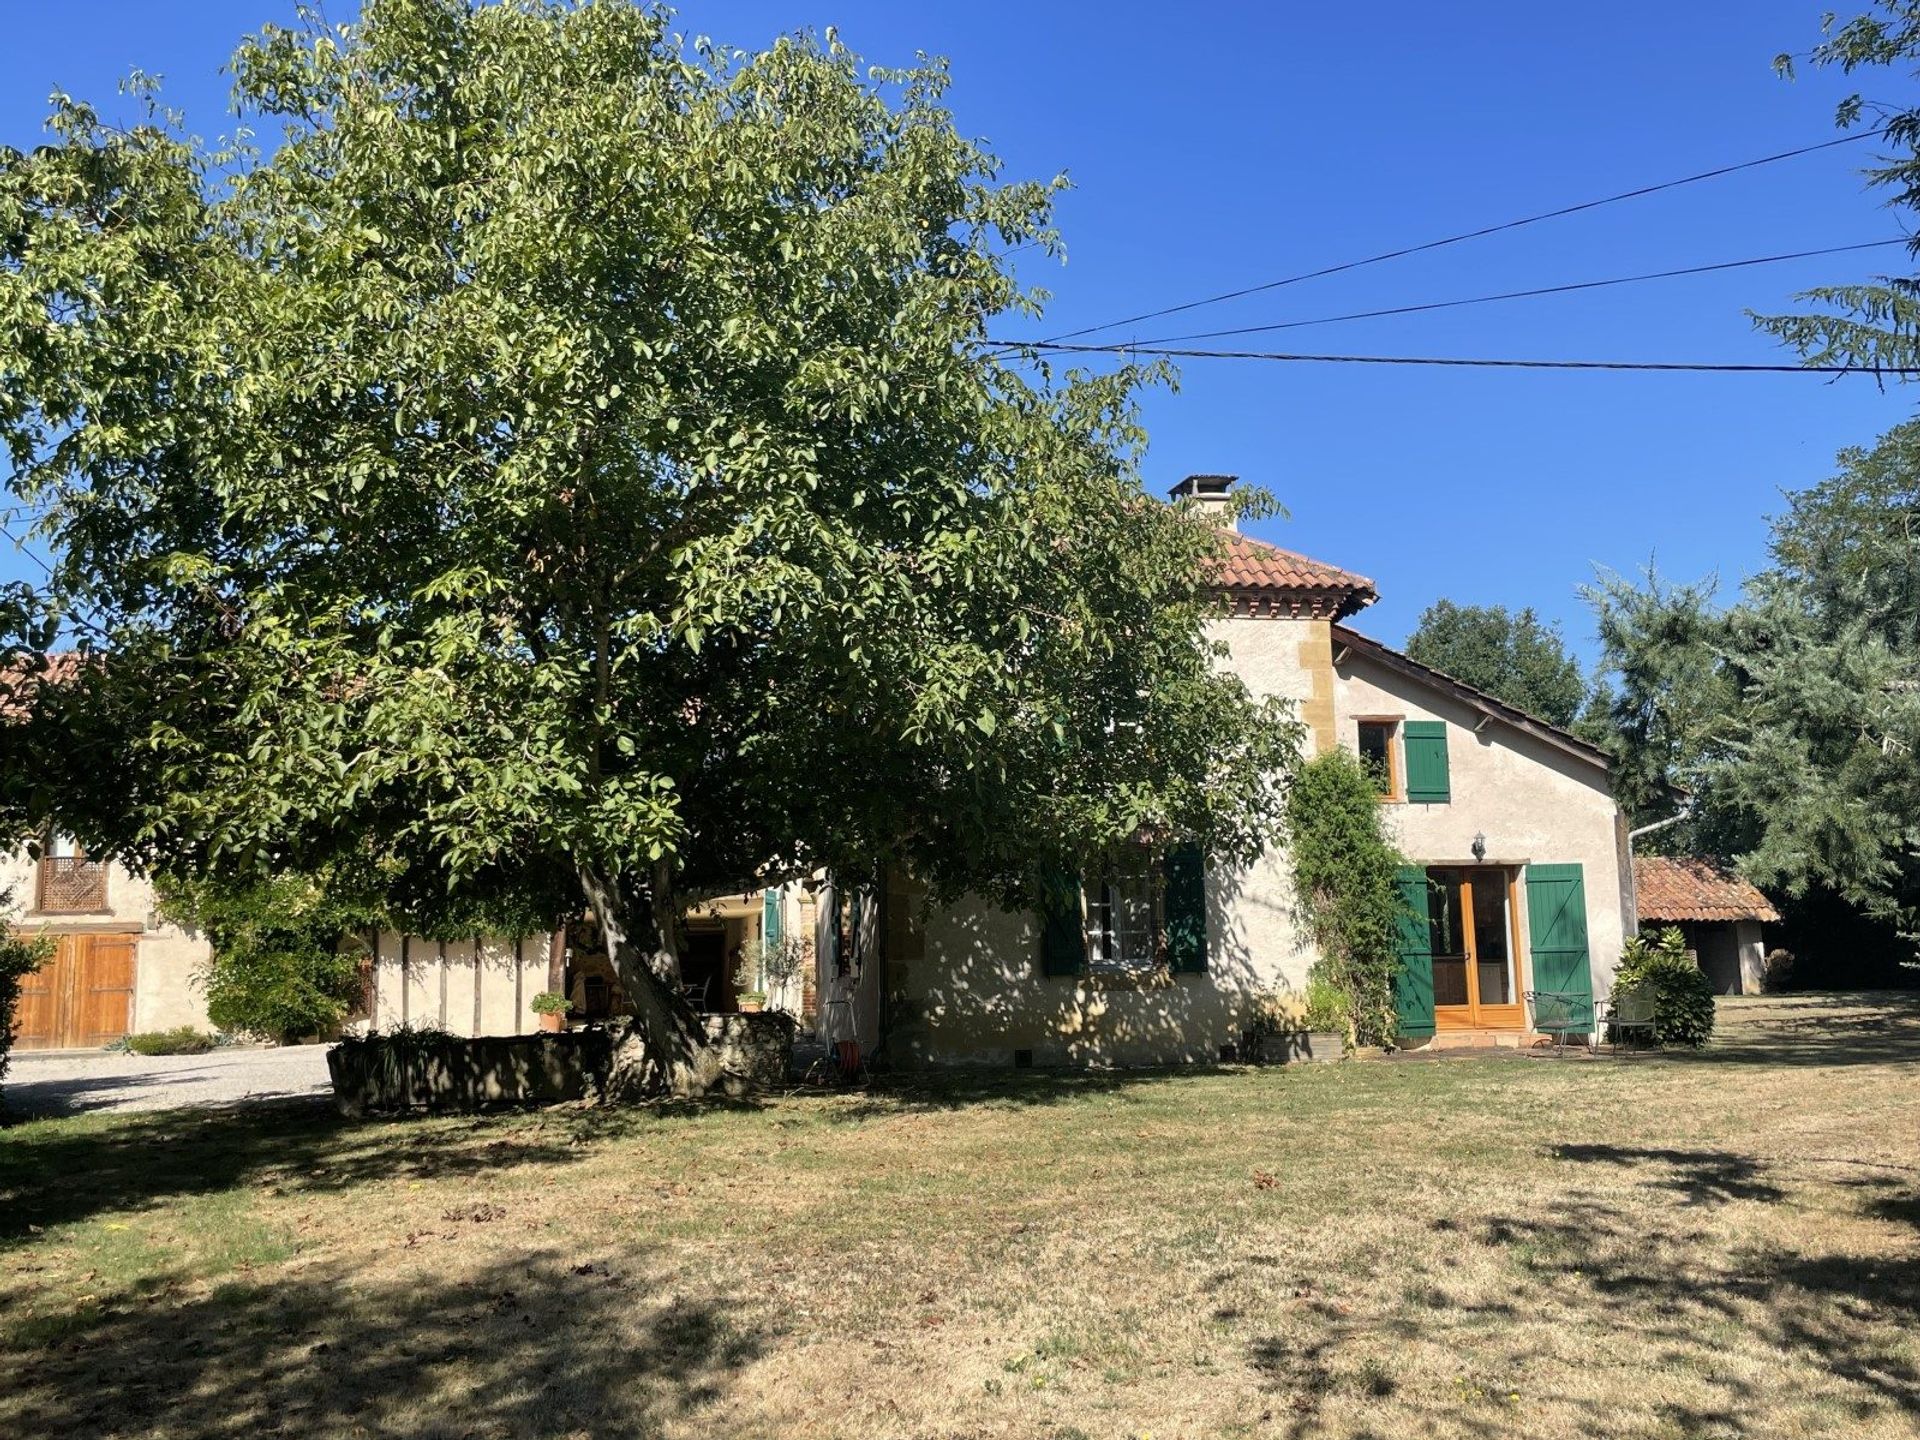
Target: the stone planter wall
(431, 1071)
(1287, 1047)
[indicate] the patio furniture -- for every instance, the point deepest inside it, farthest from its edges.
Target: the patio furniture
(1630, 1011)
(1560, 1014)
(695, 994)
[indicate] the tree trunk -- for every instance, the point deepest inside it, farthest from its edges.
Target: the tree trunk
(671, 1054)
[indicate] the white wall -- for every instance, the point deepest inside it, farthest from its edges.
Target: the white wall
(1534, 803)
(442, 980)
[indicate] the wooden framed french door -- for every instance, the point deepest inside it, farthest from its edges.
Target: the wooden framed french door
(1473, 913)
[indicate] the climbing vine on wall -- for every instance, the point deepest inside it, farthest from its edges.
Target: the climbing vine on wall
(1344, 868)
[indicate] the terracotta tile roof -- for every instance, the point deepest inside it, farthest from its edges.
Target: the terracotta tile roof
(20, 679)
(1252, 567)
(1685, 887)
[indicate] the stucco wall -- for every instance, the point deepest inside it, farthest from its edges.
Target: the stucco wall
(167, 958)
(1534, 803)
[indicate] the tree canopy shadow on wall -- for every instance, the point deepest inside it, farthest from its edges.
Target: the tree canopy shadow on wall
(979, 992)
(538, 1345)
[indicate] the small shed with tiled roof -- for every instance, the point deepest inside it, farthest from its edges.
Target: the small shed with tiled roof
(1718, 912)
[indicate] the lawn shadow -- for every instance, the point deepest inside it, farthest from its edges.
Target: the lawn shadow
(537, 1345)
(1879, 1027)
(62, 1172)
(1702, 1176)
(1661, 1275)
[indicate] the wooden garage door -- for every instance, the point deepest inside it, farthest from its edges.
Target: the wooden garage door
(81, 998)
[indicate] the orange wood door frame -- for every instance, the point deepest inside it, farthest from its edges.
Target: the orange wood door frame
(1473, 1015)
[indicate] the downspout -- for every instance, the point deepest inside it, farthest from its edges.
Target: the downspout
(1633, 884)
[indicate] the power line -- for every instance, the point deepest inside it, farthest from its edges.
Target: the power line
(1471, 234)
(1705, 367)
(1523, 294)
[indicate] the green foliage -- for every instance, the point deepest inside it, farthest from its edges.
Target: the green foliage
(278, 963)
(1683, 995)
(1792, 716)
(1344, 868)
(182, 1040)
(551, 1002)
(20, 956)
(1326, 1005)
(1875, 323)
(575, 468)
(1509, 654)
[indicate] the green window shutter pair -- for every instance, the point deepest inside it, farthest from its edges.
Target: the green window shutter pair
(1063, 941)
(1557, 934)
(1413, 984)
(1428, 780)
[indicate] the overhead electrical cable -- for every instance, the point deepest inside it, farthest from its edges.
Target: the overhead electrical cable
(1521, 294)
(1703, 367)
(1469, 235)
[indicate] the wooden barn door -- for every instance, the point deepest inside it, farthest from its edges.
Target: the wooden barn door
(80, 999)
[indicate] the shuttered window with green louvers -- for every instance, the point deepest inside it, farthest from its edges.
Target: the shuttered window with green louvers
(1428, 779)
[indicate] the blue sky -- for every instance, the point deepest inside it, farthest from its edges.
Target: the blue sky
(1215, 145)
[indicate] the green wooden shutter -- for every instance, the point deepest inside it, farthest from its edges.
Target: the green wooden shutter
(1413, 985)
(1063, 936)
(770, 923)
(1185, 871)
(1557, 930)
(1428, 781)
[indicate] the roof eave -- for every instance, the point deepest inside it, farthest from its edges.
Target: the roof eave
(1492, 707)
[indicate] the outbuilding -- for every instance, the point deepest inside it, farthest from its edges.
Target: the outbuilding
(1718, 912)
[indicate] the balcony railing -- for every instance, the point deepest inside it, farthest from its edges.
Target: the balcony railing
(72, 885)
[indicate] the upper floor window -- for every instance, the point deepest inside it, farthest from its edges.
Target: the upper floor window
(70, 883)
(1380, 754)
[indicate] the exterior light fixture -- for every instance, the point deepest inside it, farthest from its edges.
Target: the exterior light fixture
(1479, 847)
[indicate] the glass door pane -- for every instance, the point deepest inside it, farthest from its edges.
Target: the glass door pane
(1447, 925)
(1492, 939)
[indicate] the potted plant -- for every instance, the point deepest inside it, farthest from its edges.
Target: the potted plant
(551, 1006)
(1326, 1020)
(751, 1002)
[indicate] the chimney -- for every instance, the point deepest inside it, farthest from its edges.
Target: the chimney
(1211, 495)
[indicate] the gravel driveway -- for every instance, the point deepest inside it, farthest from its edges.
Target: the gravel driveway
(70, 1083)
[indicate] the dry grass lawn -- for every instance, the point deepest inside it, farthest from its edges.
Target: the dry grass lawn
(1722, 1244)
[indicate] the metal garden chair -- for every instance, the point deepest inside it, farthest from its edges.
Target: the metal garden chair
(1631, 1011)
(1560, 1014)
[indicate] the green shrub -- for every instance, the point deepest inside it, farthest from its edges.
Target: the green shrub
(1326, 1005)
(1682, 993)
(182, 1040)
(19, 958)
(279, 966)
(550, 1002)
(1344, 874)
